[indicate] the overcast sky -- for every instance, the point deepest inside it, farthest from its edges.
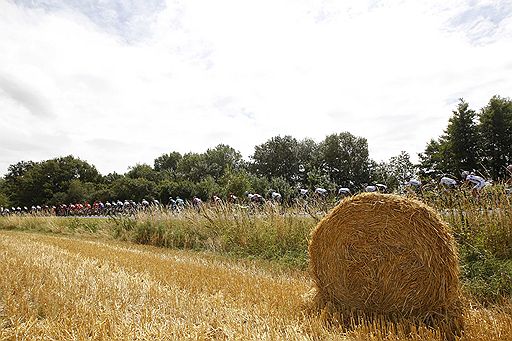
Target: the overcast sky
(117, 82)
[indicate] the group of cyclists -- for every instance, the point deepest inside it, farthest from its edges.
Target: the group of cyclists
(97, 208)
(445, 183)
(475, 182)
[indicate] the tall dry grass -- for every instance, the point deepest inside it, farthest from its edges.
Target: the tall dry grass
(482, 228)
(64, 288)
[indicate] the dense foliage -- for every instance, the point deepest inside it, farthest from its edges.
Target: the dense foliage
(472, 141)
(480, 142)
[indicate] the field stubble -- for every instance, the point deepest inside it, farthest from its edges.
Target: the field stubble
(58, 287)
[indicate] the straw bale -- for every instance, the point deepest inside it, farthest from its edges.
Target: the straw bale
(389, 255)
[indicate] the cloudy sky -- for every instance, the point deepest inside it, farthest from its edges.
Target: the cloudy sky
(117, 82)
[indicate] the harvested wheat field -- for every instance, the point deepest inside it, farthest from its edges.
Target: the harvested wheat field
(64, 288)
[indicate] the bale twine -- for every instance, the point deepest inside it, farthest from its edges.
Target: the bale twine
(387, 255)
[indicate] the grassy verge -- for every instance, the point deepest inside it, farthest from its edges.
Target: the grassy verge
(483, 232)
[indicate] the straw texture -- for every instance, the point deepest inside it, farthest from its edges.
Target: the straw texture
(387, 255)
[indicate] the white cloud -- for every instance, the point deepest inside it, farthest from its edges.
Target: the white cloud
(187, 76)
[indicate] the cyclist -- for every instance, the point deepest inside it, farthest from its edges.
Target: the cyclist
(172, 204)
(477, 181)
(381, 188)
(303, 193)
(321, 192)
(344, 192)
(197, 202)
(413, 185)
(232, 198)
(180, 203)
(216, 200)
(276, 197)
(370, 188)
(256, 198)
(448, 183)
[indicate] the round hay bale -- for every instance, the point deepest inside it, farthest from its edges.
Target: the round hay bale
(386, 254)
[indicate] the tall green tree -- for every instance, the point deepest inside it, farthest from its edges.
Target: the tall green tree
(4, 199)
(496, 131)
(220, 159)
(345, 158)
(396, 172)
(127, 188)
(36, 183)
(458, 148)
(143, 171)
(193, 167)
(462, 139)
(277, 157)
(14, 184)
(435, 159)
(167, 162)
(309, 163)
(236, 182)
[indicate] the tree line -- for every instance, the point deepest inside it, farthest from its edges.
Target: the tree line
(472, 141)
(480, 141)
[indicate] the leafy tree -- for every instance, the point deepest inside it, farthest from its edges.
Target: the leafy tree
(69, 168)
(110, 178)
(207, 188)
(192, 166)
(4, 199)
(316, 177)
(13, 185)
(184, 189)
(277, 157)
(133, 189)
(58, 198)
(36, 183)
(101, 192)
(236, 182)
(458, 148)
(496, 130)
(462, 139)
(435, 158)
(76, 192)
(345, 158)
(143, 171)
(396, 172)
(283, 187)
(167, 162)
(18, 169)
(220, 159)
(309, 160)
(259, 184)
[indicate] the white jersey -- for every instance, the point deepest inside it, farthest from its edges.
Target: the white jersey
(344, 191)
(381, 187)
(276, 196)
(478, 181)
(321, 191)
(414, 182)
(448, 181)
